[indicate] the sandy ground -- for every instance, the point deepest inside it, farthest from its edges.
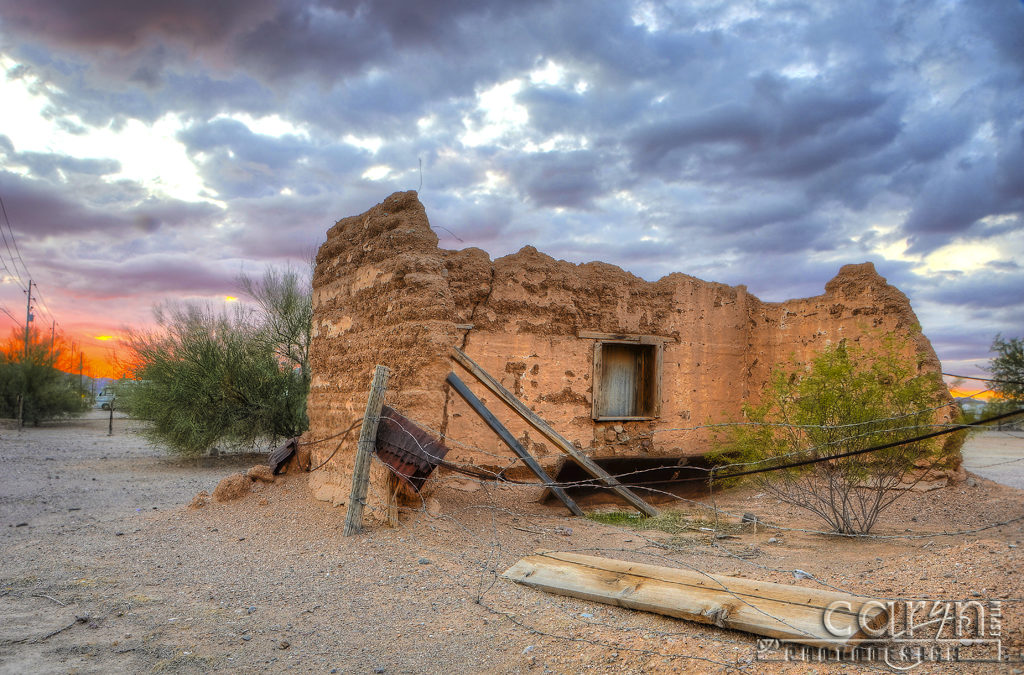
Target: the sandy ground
(997, 456)
(104, 570)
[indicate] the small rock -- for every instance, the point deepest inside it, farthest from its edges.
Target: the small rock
(246, 637)
(587, 615)
(971, 482)
(22, 525)
(528, 649)
(774, 540)
(250, 610)
(376, 670)
(433, 507)
(564, 531)
(284, 644)
(618, 428)
(424, 561)
(749, 518)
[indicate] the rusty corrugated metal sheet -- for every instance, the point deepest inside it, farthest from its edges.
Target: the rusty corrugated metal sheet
(282, 454)
(410, 451)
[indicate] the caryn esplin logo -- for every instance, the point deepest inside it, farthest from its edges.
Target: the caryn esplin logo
(903, 634)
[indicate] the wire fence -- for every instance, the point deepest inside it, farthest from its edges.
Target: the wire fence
(498, 520)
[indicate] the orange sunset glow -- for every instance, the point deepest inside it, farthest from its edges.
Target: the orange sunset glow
(977, 394)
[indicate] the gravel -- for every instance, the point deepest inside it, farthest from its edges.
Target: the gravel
(104, 569)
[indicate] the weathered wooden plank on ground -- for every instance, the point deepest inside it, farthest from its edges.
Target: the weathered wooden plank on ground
(790, 613)
(506, 436)
(543, 427)
(367, 443)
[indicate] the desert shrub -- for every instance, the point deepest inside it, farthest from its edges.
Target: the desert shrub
(232, 378)
(33, 374)
(1007, 368)
(846, 399)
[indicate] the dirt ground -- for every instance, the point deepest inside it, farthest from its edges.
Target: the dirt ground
(103, 569)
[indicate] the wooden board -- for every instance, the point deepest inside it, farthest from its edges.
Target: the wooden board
(515, 446)
(791, 613)
(623, 337)
(543, 427)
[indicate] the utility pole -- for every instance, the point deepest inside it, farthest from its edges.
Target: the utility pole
(28, 315)
(28, 320)
(81, 360)
(53, 330)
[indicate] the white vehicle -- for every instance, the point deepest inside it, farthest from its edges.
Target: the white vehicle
(105, 400)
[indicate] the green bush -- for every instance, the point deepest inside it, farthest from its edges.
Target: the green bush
(207, 378)
(846, 399)
(47, 392)
(1008, 368)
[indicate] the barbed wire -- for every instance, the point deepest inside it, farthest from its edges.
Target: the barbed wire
(484, 531)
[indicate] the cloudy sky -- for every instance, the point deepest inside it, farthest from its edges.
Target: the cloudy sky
(153, 150)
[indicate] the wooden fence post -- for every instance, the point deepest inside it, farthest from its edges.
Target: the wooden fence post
(367, 443)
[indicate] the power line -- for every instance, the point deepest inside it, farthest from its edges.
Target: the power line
(13, 318)
(982, 379)
(3, 209)
(16, 254)
(16, 274)
(885, 446)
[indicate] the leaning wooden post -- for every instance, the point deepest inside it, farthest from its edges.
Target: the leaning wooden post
(367, 443)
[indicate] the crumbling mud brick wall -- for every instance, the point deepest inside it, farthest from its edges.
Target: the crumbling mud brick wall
(383, 292)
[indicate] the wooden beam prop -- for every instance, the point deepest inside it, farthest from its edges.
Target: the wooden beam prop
(508, 439)
(367, 443)
(543, 427)
(790, 613)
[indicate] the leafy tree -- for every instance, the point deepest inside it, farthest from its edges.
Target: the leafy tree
(207, 377)
(1007, 368)
(31, 375)
(846, 399)
(285, 304)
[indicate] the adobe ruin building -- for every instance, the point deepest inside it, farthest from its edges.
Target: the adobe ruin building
(602, 355)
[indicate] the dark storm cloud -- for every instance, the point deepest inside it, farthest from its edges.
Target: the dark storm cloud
(785, 132)
(985, 290)
(36, 210)
(126, 23)
(85, 204)
(566, 179)
(165, 274)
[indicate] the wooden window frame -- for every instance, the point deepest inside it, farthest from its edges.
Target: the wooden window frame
(658, 348)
